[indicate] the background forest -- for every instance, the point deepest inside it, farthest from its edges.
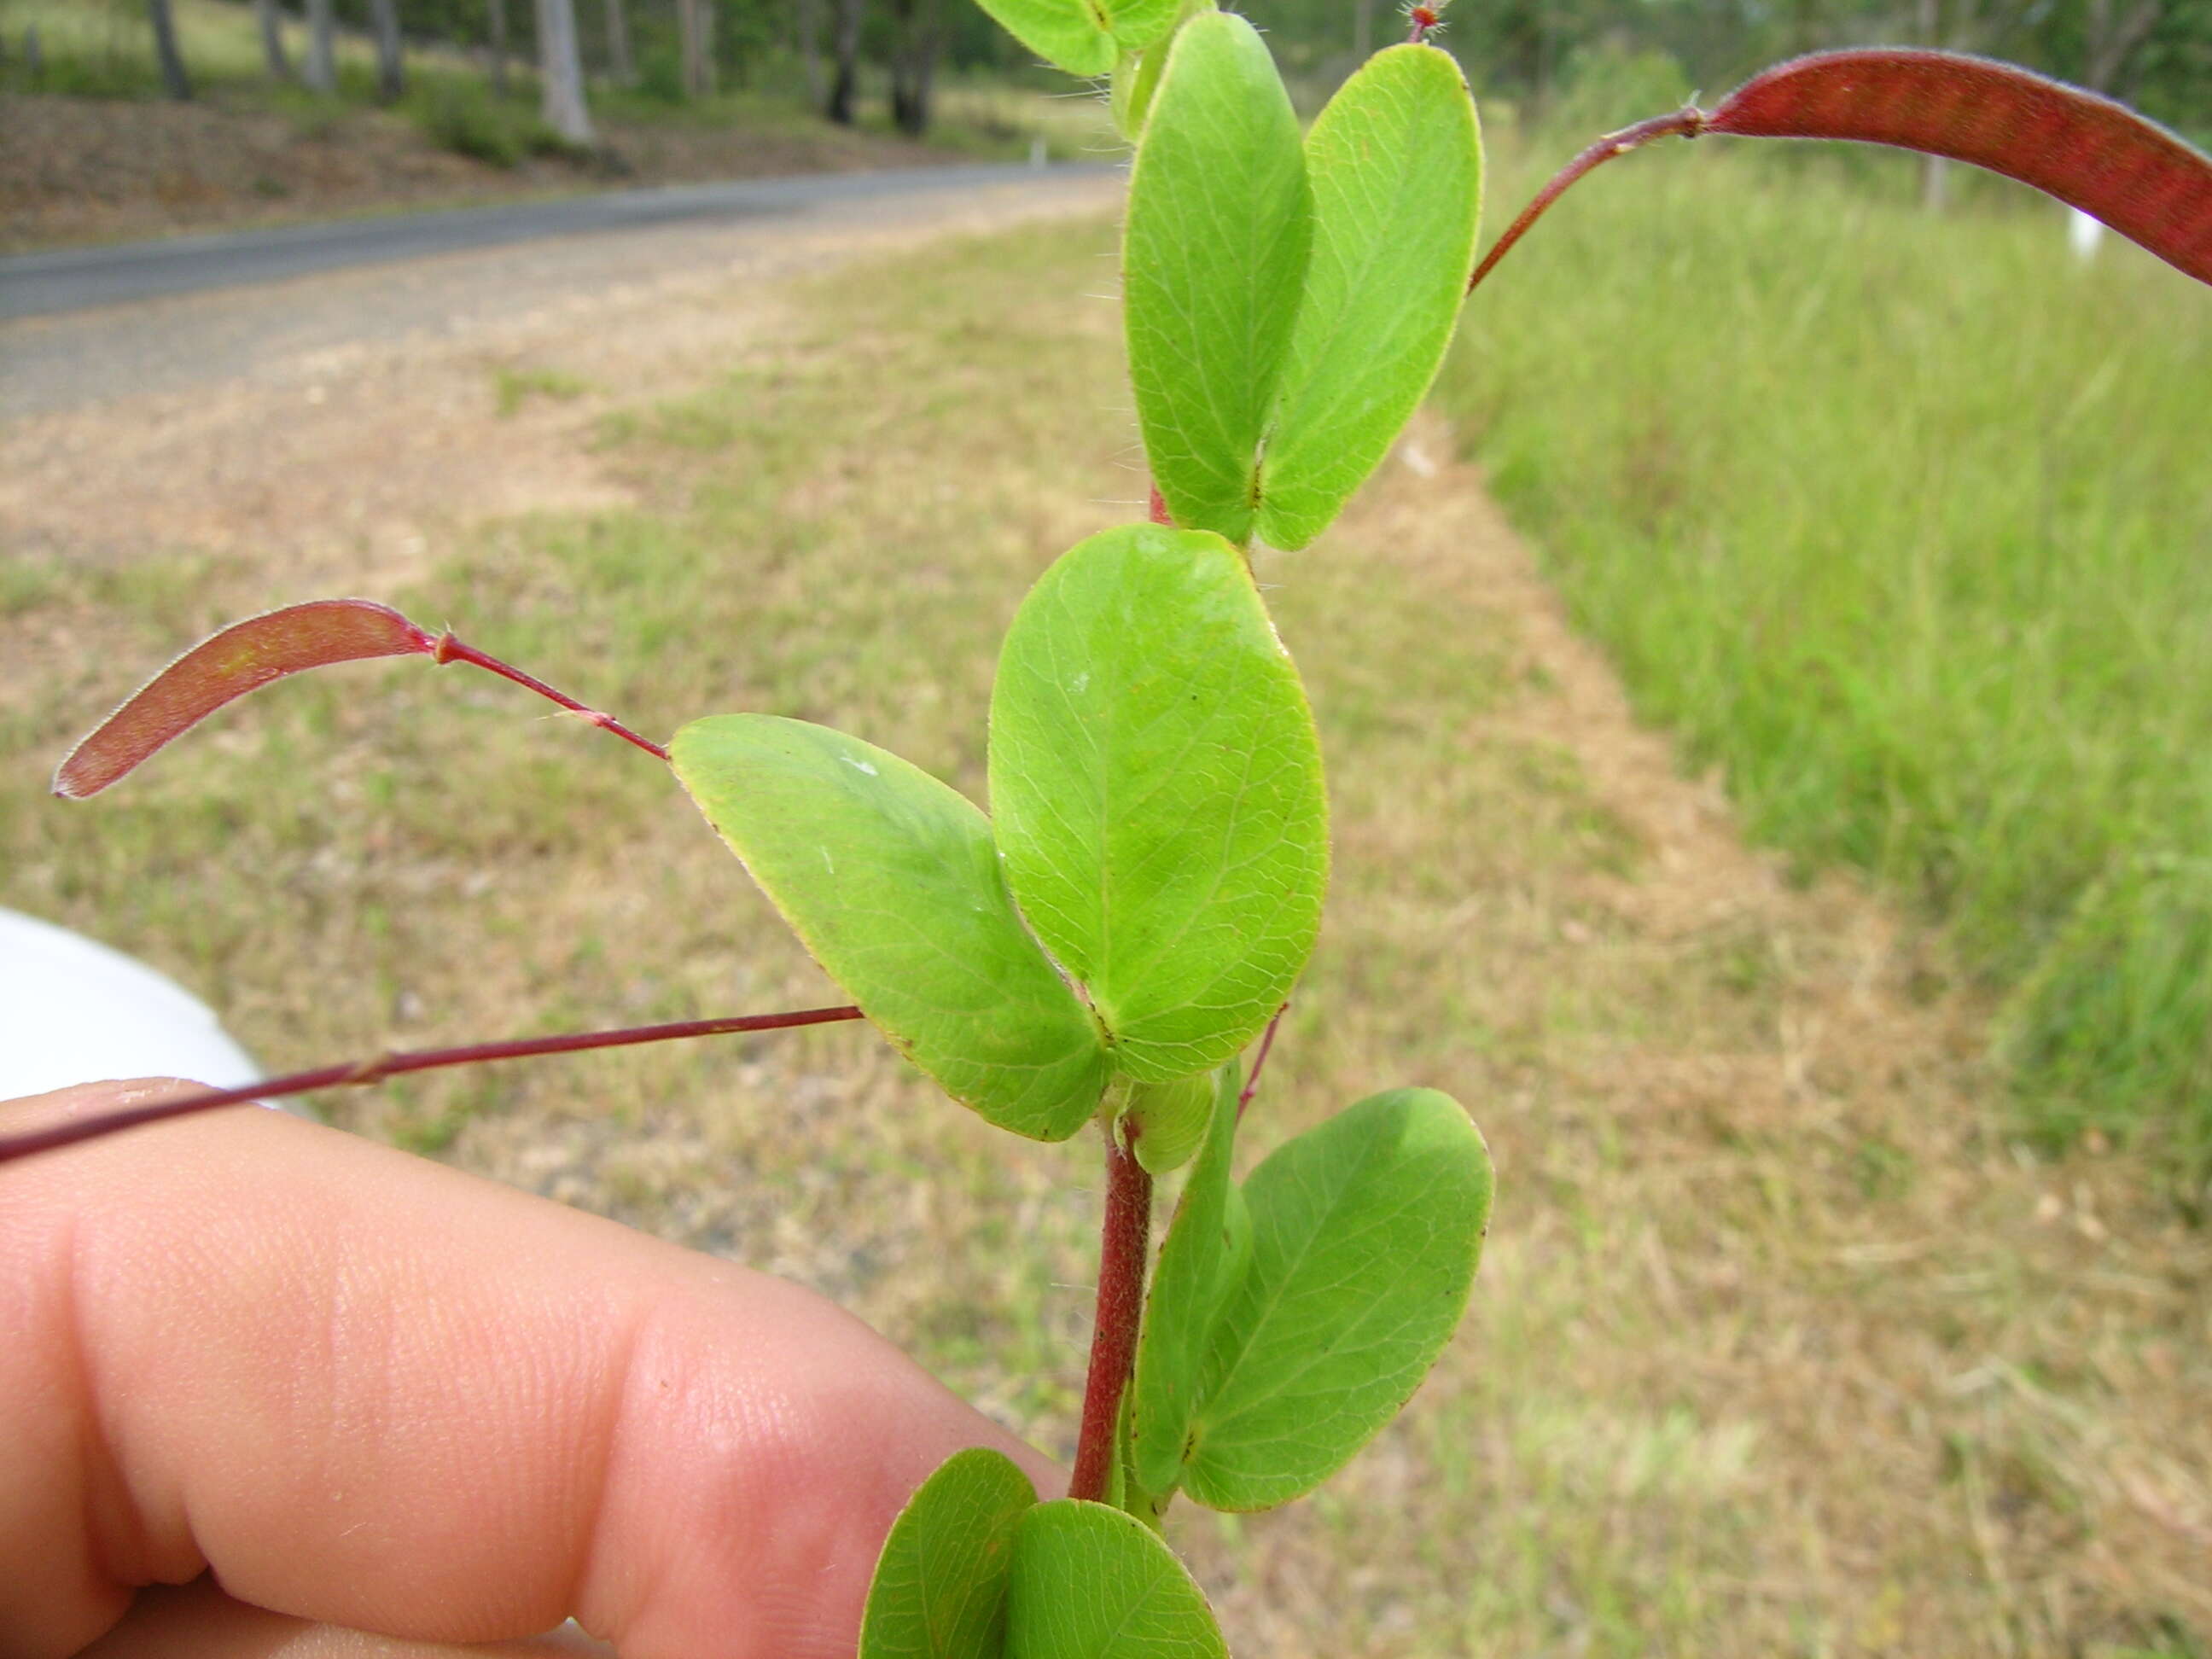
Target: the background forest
(2155, 54)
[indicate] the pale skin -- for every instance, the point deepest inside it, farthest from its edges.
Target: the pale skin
(355, 1403)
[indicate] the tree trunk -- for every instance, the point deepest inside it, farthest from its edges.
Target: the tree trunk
(496, 30)
(272, 39)
(694, 24)
(322, 53)
(914, 64)
(845, 85)
(810, 49)
(174, 80)
(2109, 38)
(619, 68)
(560, 73)
(391, 62)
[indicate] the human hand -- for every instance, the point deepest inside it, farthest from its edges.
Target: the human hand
(327, 1384)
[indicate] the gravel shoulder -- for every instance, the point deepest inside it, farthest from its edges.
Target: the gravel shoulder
(333, 422)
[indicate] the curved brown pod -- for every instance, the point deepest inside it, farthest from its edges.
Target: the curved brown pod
(2086, 150)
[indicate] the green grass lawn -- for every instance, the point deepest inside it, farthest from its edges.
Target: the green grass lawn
(1905, 524)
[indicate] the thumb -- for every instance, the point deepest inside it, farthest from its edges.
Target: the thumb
(366, 1389)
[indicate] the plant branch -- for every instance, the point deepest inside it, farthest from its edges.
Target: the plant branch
(423, 1060)
(449, 649)
(1687, 122)
(1260, 1062)
(1123, 1238)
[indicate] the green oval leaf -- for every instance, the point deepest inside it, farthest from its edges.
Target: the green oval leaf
(1137, 76)
(1365, 1235)
(1093, 1582)
(1188, 1288)
(1084, 37)
(892, 880)
(939, 1591)
(1157, 785)
(1138, 23)
(1074, 34)
(1213, 255)
(1394, 164)
(1167, 1121)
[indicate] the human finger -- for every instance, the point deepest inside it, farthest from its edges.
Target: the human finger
(198, 1621)
(367, 1390)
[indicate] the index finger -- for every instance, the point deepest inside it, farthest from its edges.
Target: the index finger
(369, 1389)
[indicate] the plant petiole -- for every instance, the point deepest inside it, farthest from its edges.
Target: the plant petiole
(348, 1073)
(449, 649)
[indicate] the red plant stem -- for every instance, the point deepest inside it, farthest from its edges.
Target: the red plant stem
(1156, 509)
(421, 1060)
(1123, 1241)
(449, 649)
(1260, 1061)
(1687, 123)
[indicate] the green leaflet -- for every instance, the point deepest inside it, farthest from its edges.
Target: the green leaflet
(891, 879)
(1167, 1121)
(1139, 23)
(1394, 164)
(1187, 1289)
(1156, 785)
(1092, 1582)
(1366, 1234)
(1073, 33)
(1213, 255)
(940, 1586)
(1084, 37)
(1137, 76)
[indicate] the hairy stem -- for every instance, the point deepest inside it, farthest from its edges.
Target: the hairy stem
(1260, 1062)
(1123, 1241)
(421, 1060)
(1684, 123)
(449, 649)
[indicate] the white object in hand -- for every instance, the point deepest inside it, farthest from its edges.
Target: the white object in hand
(72, 1010)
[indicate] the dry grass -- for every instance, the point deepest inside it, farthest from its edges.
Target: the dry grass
(1781, 1348)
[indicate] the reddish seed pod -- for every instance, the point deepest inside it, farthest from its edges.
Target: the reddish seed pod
(242, 658)
(2087, 150)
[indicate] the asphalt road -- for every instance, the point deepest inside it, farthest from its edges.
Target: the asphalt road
(82, 279)
(85, 327)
